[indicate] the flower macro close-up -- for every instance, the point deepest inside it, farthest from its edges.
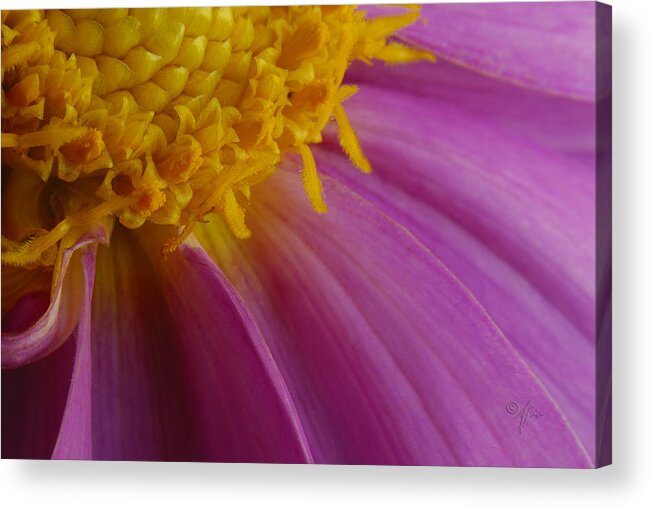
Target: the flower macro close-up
(306, 234)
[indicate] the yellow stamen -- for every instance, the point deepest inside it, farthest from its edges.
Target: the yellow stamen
(30, 251)
(347, 137)
(396, 53)
(385, 26)
(311, 181)
(235, 215)
(166, 115)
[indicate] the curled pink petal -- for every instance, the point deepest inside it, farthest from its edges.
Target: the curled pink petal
(69, 288)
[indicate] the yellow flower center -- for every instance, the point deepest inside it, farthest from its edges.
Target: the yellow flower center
(166, 115)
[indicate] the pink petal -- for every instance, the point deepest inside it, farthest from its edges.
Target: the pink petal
(178, 370)
(242, 408)
(388, 358)
(555, 122)
(137, 407)
(33, 402)
(514, 222)
(546, 46)
(32, 338)
(75, 434)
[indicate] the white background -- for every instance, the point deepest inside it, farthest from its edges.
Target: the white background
(626, 483)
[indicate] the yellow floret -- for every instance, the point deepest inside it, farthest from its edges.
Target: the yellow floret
(166, 115)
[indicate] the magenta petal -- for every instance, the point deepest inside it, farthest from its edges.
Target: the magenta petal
(241, 406)
(388, 358)
(26, 311)
(178, 370)
(556, 122)
(69, 288)
(75, 435)
(547, 46)
(45, 414)
(532, 207)
(33, 401)
(513, 221)
(138, 408)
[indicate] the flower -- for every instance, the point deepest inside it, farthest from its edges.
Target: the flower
(441, 312)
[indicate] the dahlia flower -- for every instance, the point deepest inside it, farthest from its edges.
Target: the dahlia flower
(198, 266)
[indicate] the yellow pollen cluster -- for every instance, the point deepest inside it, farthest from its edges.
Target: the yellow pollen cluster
(166, 115)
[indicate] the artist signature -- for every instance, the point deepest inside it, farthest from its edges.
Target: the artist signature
(522, 413)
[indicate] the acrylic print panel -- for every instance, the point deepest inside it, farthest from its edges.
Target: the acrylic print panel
(375, 235)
